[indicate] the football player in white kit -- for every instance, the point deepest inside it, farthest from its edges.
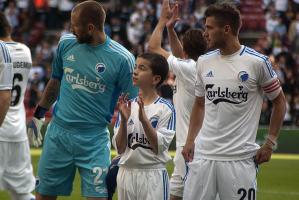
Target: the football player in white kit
(182, 62)
(231, 83)
(143, 132)
(16, 173)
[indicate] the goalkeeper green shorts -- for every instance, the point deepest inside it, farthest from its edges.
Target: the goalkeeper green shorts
(66, 151)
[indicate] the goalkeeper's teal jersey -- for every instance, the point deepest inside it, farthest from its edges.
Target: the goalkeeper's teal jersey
(92, 77)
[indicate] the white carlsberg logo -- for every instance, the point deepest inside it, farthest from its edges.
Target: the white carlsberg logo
(71, 58)
(81, 82)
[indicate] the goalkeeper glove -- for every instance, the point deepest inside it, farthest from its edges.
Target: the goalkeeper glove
(34, 128)
(34, 131)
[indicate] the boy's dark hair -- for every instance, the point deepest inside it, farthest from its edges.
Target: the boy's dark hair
(158, 65)
(225, 14)
(5, 27)
(91, 12)
(194, 44)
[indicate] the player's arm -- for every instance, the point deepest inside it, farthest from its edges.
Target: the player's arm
(276, 120)
(50, 94)
(121, 137)
(4, 103)
(196, 120)
(175, 44)
(154, 44)
(124, 107)
(271, 87)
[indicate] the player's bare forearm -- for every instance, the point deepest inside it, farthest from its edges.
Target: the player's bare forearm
(277, 116)
(50, 94)
(121, 137)
(5, 96)
(151, 134)
(154, 44)
(196, 118)
(175, 44)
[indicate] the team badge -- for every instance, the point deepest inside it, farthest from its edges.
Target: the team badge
(154, 121)
(100, 67)
(243, 76)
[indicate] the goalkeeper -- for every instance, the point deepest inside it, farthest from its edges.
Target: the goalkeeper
(89, 72)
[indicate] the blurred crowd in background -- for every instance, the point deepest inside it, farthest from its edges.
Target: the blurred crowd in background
(270, 27)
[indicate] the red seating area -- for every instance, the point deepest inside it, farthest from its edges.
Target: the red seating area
(253, 17)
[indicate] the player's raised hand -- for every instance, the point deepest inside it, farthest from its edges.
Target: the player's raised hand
(174, 16)
(165, 11)
(142, 115)
(124, 106)
(264, 153)
(188, 151)
(34, 131)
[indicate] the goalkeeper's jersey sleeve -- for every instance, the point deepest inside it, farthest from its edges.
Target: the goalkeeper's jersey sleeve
(92, 77)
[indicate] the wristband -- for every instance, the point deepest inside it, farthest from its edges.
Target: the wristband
(40, 112)
(272, 141)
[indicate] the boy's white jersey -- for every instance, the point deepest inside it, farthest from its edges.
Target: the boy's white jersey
(233, 87)
(13, 128)
(184, 94)
(138, 153)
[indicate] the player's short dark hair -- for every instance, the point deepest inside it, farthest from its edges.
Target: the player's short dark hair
(5, 27)
(158, 65)
(91, 12)
(225, 14)
(194, 44)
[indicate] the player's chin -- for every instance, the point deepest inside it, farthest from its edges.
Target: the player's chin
(135, 81)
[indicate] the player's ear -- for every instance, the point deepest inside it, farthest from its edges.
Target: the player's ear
(90, 27)
(227, 29)
(156, 79)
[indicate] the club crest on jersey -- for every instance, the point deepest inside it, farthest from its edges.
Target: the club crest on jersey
(243, 76)
(100, 67)
(154, 121)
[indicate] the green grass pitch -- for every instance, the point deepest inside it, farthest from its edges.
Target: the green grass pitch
(277, 180)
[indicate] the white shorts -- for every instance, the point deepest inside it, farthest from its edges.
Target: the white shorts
(232, 180)
(178, 175)
(142, 184)
(16, 172)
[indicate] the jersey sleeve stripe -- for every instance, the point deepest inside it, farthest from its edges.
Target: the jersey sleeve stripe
(264, 58)
(125, 53)
(5, 52)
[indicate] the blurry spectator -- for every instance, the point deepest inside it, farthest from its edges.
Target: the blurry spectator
(65, 7)
(135, 27)
(35, 84)
(293, 33)
(12, 15)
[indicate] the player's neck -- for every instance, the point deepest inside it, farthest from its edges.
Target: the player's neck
(98, 39)
(6, 39)
(231, 47)
(149, 95)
